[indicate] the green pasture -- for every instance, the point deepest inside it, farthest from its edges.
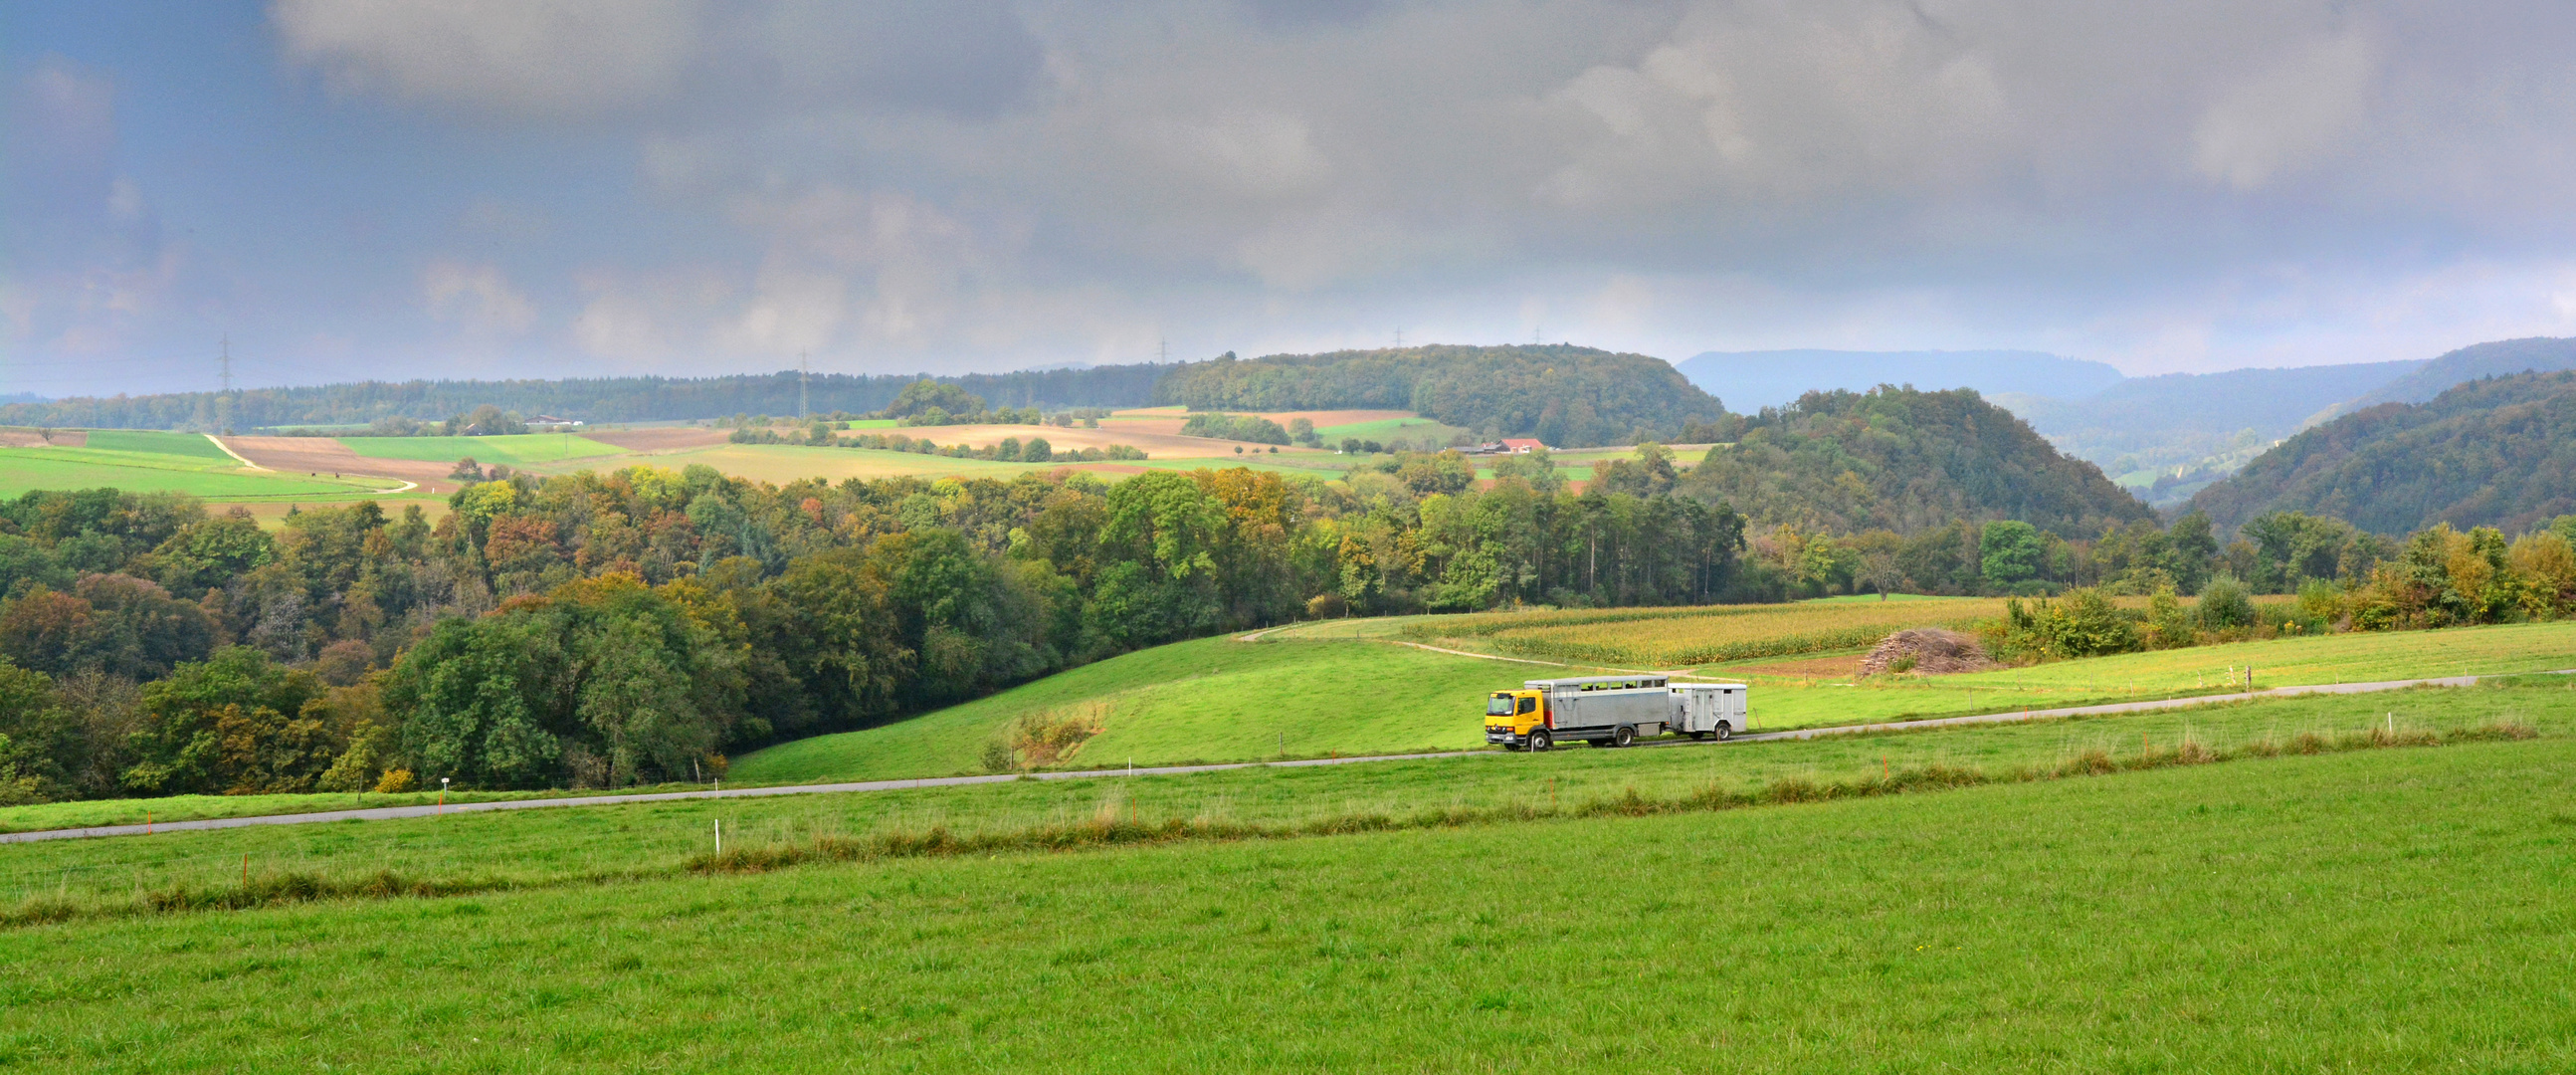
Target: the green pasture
(1385, 429)
(1793, 701)
(1308, 693)
(518, 449)
(536, 848)
(144, 461)
(2395, 909)
(1213, 699)
(145, 442)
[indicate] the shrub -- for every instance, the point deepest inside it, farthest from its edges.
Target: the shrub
(2224, 606)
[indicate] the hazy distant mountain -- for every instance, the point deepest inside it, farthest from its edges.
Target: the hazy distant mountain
(2536, 354)
(2180, 418)
(1751, 380)
(2496, 452)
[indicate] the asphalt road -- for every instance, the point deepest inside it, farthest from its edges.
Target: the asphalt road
(390, 812)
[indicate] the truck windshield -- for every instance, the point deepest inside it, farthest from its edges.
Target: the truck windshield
(1499, 705)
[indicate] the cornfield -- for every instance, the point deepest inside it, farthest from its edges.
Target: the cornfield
(1684, 637)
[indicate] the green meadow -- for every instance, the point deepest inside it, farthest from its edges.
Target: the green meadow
(554, 847)
(2369, 910)
(1212, 699)
(1305, 693)
(155, 462)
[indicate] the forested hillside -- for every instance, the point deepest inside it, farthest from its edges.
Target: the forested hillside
(1752, 380)
(1564, 395)
(608, 629)
(2500, 358)
(2498, 452)
(1905, 460)
(606, 399)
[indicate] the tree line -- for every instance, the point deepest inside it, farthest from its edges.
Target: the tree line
(594, 399)
(637, 626)
(1564, 395)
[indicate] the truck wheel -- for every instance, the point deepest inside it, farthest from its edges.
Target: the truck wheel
(1622, 736)
(1724, 732)
(1540, 740)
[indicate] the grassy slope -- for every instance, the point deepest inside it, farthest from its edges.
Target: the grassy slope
(152, 462)
(148, 442)
(1220, 700)
(2377, 911)
(515, 450)
(542, 847)
(1212, 699)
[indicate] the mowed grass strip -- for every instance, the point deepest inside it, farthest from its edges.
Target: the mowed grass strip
(585, 845)
(514, 449)
(2373, 911)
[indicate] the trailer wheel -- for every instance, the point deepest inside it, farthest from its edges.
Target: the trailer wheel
(1725, 732)
(1622, 736)
(1540, 740)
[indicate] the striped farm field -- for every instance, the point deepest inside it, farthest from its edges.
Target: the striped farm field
(1682, 637)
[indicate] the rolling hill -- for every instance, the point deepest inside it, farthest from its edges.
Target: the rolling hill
(2495, 452)
(1565, 395)
(1752, 380)
(1906, 460)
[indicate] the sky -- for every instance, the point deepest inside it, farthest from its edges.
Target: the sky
(349, 189)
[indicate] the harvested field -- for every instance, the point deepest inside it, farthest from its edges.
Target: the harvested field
(28, 438)
(1158, 445)
(662, 439)
(326, 457)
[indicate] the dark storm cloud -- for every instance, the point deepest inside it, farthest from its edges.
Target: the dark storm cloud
(2177, 185)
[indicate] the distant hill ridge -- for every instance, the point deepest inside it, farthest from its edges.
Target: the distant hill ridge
(1564, 395)
(2494, 452)
(593, 399)
(1752, 380)
(1906, 460)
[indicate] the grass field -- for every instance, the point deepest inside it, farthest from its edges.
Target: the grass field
(1211, 699)
(516, 449)
(1310, 694)
(1414, 429)
(155, 462)
(2374, 910)
(557, 846)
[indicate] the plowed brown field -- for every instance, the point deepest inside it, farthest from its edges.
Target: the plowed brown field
(322, 455)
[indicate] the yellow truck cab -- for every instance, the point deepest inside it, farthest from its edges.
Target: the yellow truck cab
(1602, 709)
(1612, 711)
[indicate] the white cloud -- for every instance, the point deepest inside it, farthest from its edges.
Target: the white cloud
(513, 57)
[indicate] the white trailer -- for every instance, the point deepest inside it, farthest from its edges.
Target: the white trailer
(1704, 710)
(1616, 710)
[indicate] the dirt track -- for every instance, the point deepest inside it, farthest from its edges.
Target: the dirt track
(322, 455)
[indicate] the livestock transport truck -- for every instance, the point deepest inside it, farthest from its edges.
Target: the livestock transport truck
(1613, 711)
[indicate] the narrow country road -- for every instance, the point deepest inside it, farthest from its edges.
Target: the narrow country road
(386, 813)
